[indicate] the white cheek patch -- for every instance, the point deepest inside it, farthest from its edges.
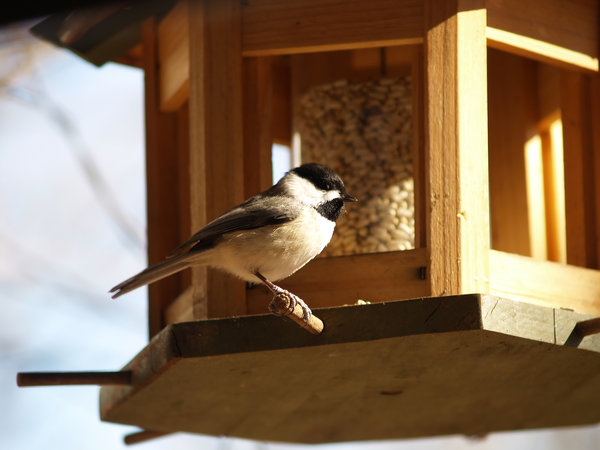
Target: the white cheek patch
(306, 192)
(331, 195)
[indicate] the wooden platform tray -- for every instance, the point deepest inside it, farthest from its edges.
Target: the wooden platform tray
(467, 364)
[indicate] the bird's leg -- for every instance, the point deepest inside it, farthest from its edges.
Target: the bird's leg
(293, 299)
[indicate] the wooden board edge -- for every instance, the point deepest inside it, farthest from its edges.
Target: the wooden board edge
(544, 282)
(540, 50)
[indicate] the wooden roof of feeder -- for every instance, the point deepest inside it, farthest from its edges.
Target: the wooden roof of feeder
(449, 357)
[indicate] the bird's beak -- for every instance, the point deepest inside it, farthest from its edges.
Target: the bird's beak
(349, 198)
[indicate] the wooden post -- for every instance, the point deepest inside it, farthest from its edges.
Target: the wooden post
(162, 180)
(580, 153)
(216, 161)
(456, 161)
(258, 133)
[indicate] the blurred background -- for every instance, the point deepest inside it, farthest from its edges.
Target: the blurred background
(72, 197)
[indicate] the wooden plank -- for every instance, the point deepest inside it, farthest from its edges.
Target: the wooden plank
(578, 132)
(544, 282)
(301, 26)
(343, 280)
(536, 204)
(553, 31)
(554, 192)
(550, 131)
(173, 57)
(595, 121)
(382, 371)
(216, 149)
(183, 179)
(181, 309)
(258, 115)
(512, 121)
(312, 69)
(162, 183)
(418, 115)
(281, 115)
(456, 166)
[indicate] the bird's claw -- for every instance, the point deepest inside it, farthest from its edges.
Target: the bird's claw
(292, 301)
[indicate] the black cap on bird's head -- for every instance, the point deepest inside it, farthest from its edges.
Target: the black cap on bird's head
(322, 177)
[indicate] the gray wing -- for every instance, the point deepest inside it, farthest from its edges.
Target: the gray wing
(255, 212)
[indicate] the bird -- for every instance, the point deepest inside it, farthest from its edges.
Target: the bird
(266, 238)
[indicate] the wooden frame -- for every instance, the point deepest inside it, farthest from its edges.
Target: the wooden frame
(444, 47)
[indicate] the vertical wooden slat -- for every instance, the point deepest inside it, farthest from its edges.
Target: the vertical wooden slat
(161, 180)
(418, 107)
(216, 147)
(258, 133)
(456, 164)
(183, 161)
(554, 192)
(512, 121)
(281, 114)
(550, 129)
(173, 57)
(578, 139)
(595, 121)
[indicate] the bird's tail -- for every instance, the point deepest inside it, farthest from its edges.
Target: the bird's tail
(151, 274)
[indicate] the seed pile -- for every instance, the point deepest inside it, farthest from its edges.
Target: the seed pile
(363, 131)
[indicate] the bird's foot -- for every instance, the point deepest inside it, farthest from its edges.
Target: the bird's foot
(289, 299)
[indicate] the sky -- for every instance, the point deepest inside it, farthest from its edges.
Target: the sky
(73, 225)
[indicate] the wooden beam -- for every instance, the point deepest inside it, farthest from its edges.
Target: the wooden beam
(301, 26)
(343, 280)
(103, 378)
(182, 308)
(553, 31)
(258, 130)
(456, 164)
(595, 121)
(281, 115)
(418, 114)
(173, 57)
(216, 142)
(162, 181)
(578, 140)
(544, 282)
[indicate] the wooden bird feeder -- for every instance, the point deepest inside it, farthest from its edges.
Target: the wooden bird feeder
(505, 120)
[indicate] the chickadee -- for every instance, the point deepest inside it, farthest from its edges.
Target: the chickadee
(268, 237)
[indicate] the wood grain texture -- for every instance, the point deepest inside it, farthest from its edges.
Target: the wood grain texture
(578, 141)
(382, 369)
(512, 109)
(544, 282)
(216, 140)
(281, 114)
(418, 118)
(257, 124)
(301, 26)
(595, 120)
(162, 182)
(456, 165)
(173, 57)
(181, 308)
(553, 31)
(343, 280)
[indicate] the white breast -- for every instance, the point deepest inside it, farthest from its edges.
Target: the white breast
(275, 251)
